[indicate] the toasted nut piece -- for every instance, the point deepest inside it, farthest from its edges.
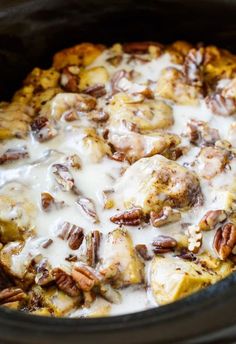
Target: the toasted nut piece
(93, 244)
(172, 85)
(194, 238)
(12, 294)
(74, 161)
(212, 161)
(14, 154)
(131, 217)
(84, 278)
(140, 47)
(42, 129)
(88, 207)
(221, 105)
(142, 251)
(201, 134)
(70, 78)
(97, 90)
(165, 216)
(120, 264)
(47, 200)
(164, 244)
(93, 77)
(211, 219)
(193, 67)
(72, 233)
(80, 55)
(65, 282)
(150, 184)
(225, 240)
(63, 176)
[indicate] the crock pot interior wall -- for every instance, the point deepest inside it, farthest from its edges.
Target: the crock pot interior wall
(30, 32)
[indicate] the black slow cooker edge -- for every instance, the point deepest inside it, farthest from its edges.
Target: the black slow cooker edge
(30, 32)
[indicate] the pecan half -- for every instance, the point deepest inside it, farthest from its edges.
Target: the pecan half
(140, 47)
(164, 244)
(225, 240)
(165, 216)
(70, 78)
(12, 294)
(14, 154)
(142, 250)
(43, 273)
(84, 278)
(93, 243)
(199, 133)
(221, 105)
(43, 129)
(63, 176)
(131, 217)
(88, 207)
(194, 238)
(117, 76)
(211, 219)
(65, 282)
(192, 67)
(72, 233)
(96, 91)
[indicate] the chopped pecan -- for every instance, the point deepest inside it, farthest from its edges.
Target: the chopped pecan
(93, 243)
(117, 76)
(71, 116)
(72, 258)
(47, 243)
(65, 282)
(165, 216)
(211, 219)
(43, 129)
(225, 240)
(221, 105)
(194, 238)
(14, 154)
(99, 116)
(63, 176)
(131, 217)
(164, 244)
(140, 47)
(88, 207)
(118, 156)
(142, 250)
(96, 91)
(48, 202)
(43, 273)
(12, 294)
(115, 60)
(192, 67)
(200, 133)
(74, 161)
(70, 78)
(72, 233)
(84, 278)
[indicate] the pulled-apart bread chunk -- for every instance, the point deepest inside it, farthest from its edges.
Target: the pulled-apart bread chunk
(151, 183)
(174, 278)
(120, 263)
(125, 111)
(135, 146)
